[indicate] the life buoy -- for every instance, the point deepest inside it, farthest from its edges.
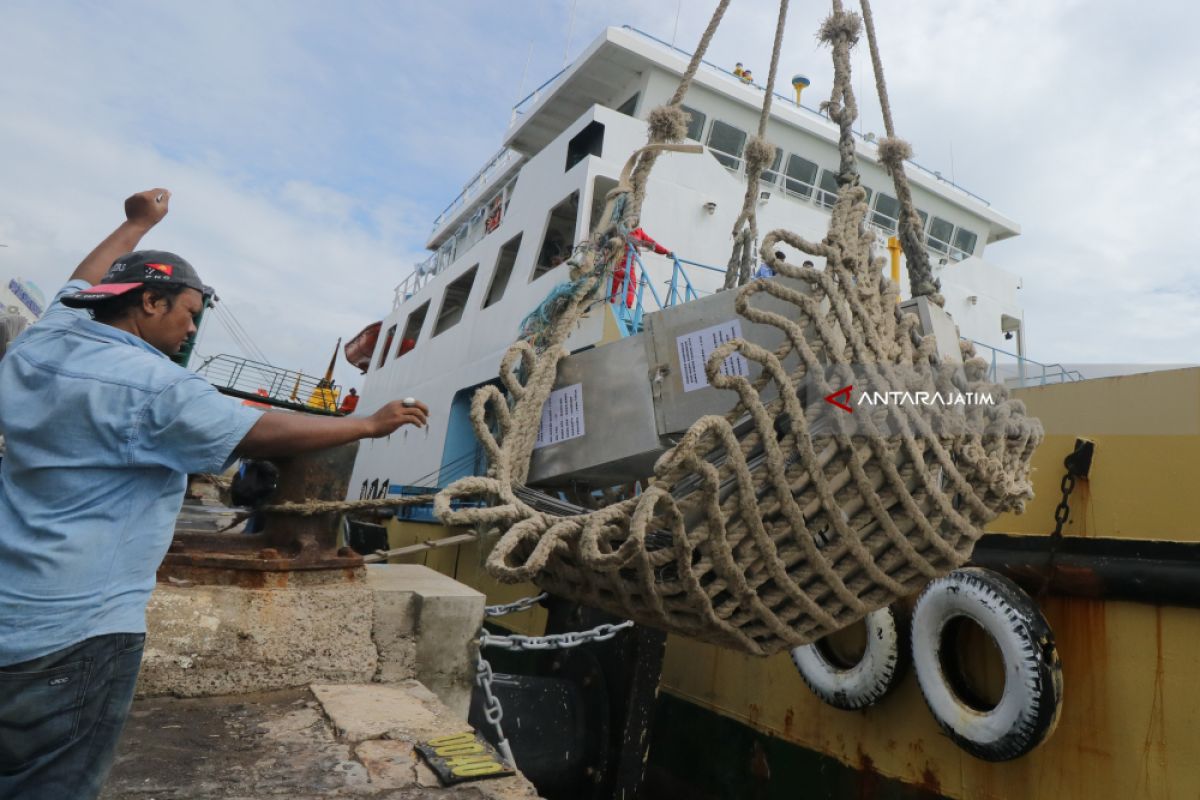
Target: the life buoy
(1028, 708)
(854, 686)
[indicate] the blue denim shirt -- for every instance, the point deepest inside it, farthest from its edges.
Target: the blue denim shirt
(101, 432)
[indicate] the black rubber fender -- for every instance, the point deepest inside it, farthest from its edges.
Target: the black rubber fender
(883, 664)
(1029, 707)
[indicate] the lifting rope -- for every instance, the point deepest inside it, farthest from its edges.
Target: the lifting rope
(759, 153)
(759, 531)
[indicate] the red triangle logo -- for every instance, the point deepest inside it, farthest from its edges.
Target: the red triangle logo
(166, 269)
(844, 394)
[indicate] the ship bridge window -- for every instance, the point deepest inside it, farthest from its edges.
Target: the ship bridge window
(504, 268)
(887, 212)
(387, 345)
(940, 234)
(588, 142)
(455, 301)
(727, 142)
(559, 240)
(629, 106)
(827, 195)
(964, 242)
(771, 174)
(412, 329)
(801, 176)
(696, 120)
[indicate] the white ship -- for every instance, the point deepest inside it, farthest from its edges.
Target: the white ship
(498, 249)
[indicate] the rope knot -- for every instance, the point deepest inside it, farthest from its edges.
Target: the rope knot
(668, 124)
(839, 25)
(759, 154)
(893, 152)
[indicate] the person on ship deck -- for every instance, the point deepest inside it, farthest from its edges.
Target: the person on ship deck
(640, 240)
(102, 431)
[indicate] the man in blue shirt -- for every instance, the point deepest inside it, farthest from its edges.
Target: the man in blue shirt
(102, 430)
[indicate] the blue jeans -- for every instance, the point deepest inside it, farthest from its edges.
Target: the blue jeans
(61, 716)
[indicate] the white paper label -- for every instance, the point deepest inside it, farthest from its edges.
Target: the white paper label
(562, 416)
(696, 347)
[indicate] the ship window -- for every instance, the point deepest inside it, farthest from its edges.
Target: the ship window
(387, 345)
(696, 120)
(588, 142)
(412, 329)
(801, 176)
(887, 212)
(455, 301)
(727, 142)
(559, 240)
(965, 241)
(601, 186)
(504, 268)
(924, 215)
(940, 233)
(771, 174)
(629, 106)
(829, 188)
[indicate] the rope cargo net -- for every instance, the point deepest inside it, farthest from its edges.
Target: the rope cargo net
(775, 524)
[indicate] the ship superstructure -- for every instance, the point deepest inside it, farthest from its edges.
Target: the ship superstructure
(502, 244)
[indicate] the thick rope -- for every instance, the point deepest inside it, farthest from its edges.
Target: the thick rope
(759, 153)
(759, 531)
(893, 151)
(668, 123)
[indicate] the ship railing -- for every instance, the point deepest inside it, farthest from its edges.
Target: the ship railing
(1015, 370)
(823, 198)
(679, 289)
(268, 385)
(496, 165)
(868, 138)
(528, 101)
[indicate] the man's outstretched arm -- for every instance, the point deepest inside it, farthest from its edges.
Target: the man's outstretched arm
(142, 212)
(279, 433)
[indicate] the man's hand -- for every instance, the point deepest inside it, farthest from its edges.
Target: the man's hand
(142, 212)
(395, 414)
(279, 433)
(147, 208)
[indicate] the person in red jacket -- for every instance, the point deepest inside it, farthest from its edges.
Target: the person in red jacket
(349, 402)
(639, 239)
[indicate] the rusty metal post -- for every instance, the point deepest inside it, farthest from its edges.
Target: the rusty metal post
(290, 542)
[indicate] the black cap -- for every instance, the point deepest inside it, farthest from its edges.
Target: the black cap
(135, 270)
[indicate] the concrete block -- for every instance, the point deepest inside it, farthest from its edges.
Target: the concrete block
(390, 764)
(426, 626)
(215, 640)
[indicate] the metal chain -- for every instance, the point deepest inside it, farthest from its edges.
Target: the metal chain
(483, 670)
(1062, 511)
(491, 704)
(556, 641)
(523, 604)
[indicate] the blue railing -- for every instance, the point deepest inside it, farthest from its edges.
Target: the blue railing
(680, 289)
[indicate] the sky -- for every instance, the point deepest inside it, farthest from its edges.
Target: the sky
(310, 145)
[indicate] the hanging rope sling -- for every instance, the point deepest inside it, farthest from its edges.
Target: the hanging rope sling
(772, 525)
(759, 153)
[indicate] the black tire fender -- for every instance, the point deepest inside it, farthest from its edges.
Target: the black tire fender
(1029, 707)
(856, 686)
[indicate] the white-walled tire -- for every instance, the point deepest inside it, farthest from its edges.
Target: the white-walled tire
(1032, 698)
(865, 683)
